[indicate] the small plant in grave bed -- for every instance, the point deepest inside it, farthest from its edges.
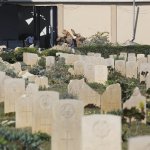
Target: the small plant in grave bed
(100, 88)
(37, 70)
(21, 139)
(42, 62)
(116, 112)
(91, 109)
(66, 95)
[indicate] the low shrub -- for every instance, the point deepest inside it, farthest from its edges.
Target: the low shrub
(107, 50)
(18, 139)
(49, 52)
(100, 88)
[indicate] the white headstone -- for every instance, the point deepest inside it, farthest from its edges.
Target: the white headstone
(42, 111)
(139, 143)
(89, 72)
(79, 68)
(140, 56)
(30, 59)
(144, 70)
(101, 74)
(123, 55)
(66, 130)
(148, 81)
(111, 98)
(13, 89)
(120, 66)
(140, 61)
(101, 132)
(131, 69)
(50, 61)
(2, 78)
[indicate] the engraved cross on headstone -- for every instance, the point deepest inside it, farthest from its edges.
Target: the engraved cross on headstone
(67, 139)
(26, 112)
(45, 124)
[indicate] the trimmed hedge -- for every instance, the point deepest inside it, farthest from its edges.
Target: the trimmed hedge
(109, 50)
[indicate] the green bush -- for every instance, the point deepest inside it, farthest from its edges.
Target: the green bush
(18, 139)
(49, 52)
(97, 39)
(107, 50)
(8, 56)
(19, 52)
(100, 88)
(16, 55)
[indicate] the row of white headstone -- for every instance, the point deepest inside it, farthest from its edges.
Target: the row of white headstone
(63, 119)
(94, 67)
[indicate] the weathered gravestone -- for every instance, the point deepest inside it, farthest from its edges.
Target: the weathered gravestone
(111, 98)
(42, 111)
(148, 58)
(131, 57)
(89, 72)
(148, 81)
(100, 74)
(88, 95)
(113, 56)
(30, 59)
(140, 56)
(71, 58)
(2, 78)
(96, 73)
(24, 107)
(101, 132)
(139, 143)
(41, 81)
(131, 69)
(13, 89)
(83, 92)
(120, 66)
(109, 62)
(50, 61)
(136, 100)
(140, 61)
(94, 54)
(144, 70)
(93, 60)
(17, 67)
(123, 55)
(66, 130)
(75, 86)
(79, 67)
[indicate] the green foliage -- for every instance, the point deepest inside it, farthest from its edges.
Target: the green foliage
(59, 74)
(148, 105)
(9, 72)
(8, 56)
(49, 52)
(97, 39)
(16, 55)
(100, 88)
(37, 70)
(133, 113)
(91, 109)
(42, 62)
(117, 113)
(19, 52)
(107, 50)
(127, 84)
(20, 139)
(66, 95)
